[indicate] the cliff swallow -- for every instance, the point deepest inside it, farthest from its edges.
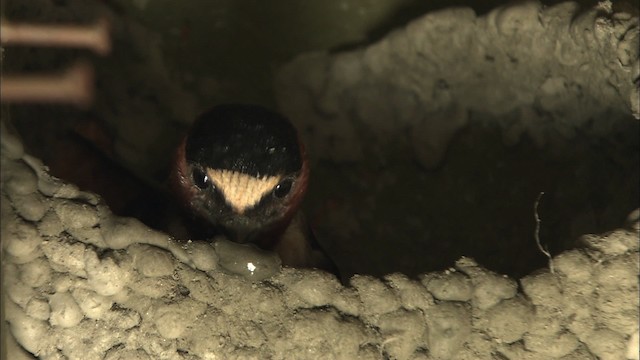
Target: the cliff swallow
(244, 170)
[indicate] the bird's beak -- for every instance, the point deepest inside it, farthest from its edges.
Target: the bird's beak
(239, 229)
(240, 234)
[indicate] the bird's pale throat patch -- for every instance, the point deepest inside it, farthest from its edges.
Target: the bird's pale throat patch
(242, 191)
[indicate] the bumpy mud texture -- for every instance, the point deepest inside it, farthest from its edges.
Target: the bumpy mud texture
(411, 137)
(540, 64)
(81, 283)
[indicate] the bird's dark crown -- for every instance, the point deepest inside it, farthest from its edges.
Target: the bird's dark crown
(244, 138)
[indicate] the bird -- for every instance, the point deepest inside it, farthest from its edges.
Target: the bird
(242, 170)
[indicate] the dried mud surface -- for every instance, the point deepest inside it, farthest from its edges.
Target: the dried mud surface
(82, 283)
(434, 142)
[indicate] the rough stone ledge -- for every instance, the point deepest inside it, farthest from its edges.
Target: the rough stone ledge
(81, 283)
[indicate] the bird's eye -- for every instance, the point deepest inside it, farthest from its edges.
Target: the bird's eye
(200, 179)
(282, 189)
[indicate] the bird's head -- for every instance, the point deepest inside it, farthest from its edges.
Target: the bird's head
(243, 169)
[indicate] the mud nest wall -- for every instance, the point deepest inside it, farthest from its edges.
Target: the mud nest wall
(81, 282)
(447, 130)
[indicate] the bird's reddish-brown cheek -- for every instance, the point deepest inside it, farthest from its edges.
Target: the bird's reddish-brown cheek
(300, 188)
(180, 181)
